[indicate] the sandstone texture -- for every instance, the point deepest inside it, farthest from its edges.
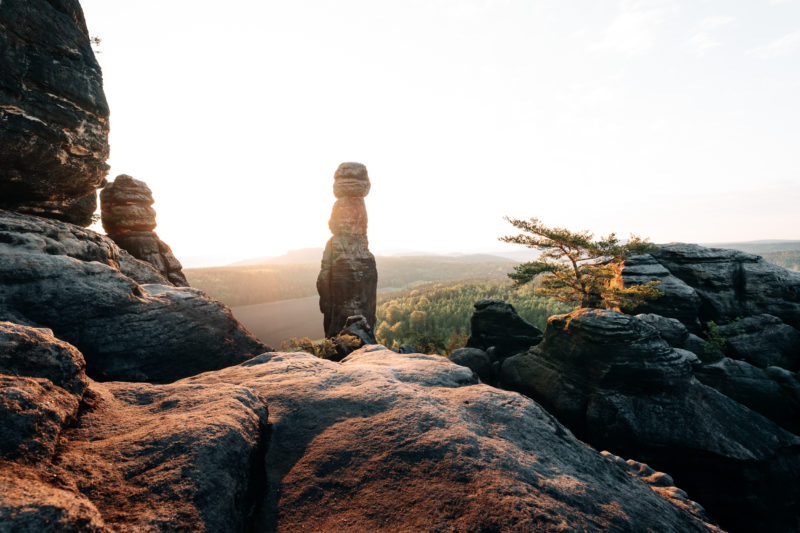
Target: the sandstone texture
(754, 306)
(348, 277)
(614, 381)
(134, 456)
(91, 294)
(129, 219)
(496, 323)
(291, 442)
(53, 113)
(703, 284)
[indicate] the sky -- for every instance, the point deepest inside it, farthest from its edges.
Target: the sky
(677, 120)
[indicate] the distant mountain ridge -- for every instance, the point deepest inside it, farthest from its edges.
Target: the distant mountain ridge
(314, 255)
(758, 247)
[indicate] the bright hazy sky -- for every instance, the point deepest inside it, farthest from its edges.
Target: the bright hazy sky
(673, 119)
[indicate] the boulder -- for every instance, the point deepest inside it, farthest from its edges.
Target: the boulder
(54, 115)
(70, 280)
(703, 284)
(762, 340)
(496, 323)
(772, 391)
(407, 348)
(618, 385)
(129, 219)
(42, 381)
(476, 360)
(348, 278)
(358, 327)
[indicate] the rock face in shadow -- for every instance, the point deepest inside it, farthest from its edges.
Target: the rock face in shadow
(755, 306)
(129, 219)
(348, 278)
(54, 115)
(496, 323)
(702, 284)
(80, 285)
(617, 384)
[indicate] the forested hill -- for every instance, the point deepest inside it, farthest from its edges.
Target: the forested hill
(434, 316)
(253, 284)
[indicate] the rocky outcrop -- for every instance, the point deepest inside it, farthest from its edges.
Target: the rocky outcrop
(42, 381)
(496, 323)
(617, 384)
(140, 457)
(53, 113)
(772, 391)
(378, 441)
(348, 277)
(129, 219)
(384, 440)
(747, 309)
(763, 341)
(78, 284)
(704, 284)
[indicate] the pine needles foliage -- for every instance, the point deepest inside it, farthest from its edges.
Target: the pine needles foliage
(576, 268)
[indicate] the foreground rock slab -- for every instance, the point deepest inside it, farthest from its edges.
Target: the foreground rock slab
(81, 286)
(386, 442)
(380, 442)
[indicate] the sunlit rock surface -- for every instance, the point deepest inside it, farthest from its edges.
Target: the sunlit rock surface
(618, 385)
(53, 113)
(129, 323)
(291, 442)
(348, 277)
(129, 219)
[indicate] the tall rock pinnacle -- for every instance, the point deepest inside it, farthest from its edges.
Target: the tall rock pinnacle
(129, 219)
(348, 279)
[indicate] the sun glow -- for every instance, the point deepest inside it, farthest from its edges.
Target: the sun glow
(667, 119)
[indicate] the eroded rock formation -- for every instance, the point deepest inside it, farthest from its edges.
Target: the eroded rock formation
(379, 442)
(129, 219)
(54, 115)
(703, 284)
(348, 278)
(617, 384)
(128, 322)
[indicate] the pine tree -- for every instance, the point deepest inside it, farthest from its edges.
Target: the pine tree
(573, 267)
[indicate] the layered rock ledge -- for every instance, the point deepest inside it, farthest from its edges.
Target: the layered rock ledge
(54, 115)
(127, 320)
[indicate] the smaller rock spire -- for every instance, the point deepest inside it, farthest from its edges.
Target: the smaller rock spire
(127, 213)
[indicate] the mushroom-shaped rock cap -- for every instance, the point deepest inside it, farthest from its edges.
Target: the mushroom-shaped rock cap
(126, 190)
(351, 180)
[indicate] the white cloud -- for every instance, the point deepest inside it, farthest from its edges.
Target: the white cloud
(713, 23)
(701, 42)
(780, 46)
(703, 39)
(634, 30)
